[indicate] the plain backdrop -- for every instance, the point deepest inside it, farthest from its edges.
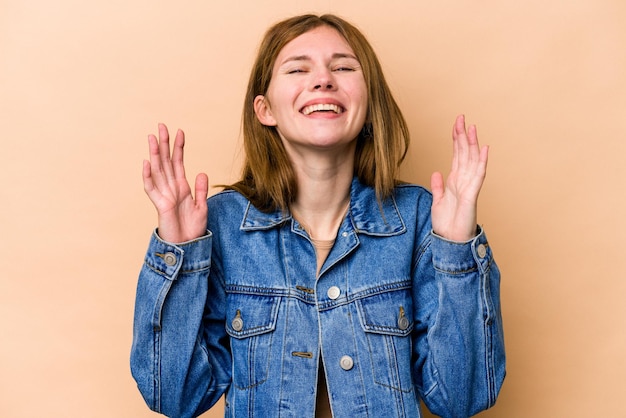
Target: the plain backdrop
(82, 84)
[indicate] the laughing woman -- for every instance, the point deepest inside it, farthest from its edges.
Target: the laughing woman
(319, 285)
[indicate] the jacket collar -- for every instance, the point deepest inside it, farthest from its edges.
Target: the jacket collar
(365, 213)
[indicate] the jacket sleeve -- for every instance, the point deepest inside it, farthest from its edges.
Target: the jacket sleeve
(459, 343)
(180, 356)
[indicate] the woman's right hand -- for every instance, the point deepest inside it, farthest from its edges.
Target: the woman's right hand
(181, 217)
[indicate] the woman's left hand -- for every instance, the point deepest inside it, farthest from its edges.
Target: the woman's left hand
(455, 205)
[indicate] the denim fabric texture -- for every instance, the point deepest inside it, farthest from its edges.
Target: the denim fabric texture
(397, 313)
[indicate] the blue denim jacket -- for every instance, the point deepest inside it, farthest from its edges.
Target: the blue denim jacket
(397, 314)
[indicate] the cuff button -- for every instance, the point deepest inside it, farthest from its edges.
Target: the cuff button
(170, 259)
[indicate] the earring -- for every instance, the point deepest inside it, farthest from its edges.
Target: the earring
(367, 132)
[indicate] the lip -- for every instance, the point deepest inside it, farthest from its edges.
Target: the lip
(323, 101)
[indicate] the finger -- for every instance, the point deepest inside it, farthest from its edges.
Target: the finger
(460, 141)
(459, 125)
(146, 175)
(479, 172)
(202, 189)
(483, 159)
(473, 147)
(436, 186)
(455, 148)
(484, 154)
(164, 150)
(157, 174)
(178, 155)
(472, 135)
(148, 184)
(455, 151)
(478, 155)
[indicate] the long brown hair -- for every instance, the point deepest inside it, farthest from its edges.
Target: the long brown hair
(268, 179)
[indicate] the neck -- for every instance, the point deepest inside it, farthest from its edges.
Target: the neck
(323, 197)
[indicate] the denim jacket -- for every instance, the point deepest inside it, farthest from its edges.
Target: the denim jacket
(397, 314)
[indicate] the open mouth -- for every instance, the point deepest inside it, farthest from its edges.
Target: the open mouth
(326, 107)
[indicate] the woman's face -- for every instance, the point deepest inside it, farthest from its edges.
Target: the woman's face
(317, 97)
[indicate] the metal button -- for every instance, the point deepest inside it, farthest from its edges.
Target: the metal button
(403, 323)
(170, 259)
(346, 362)
(237, 324)
(333, 292)
(344, 234)
(481, 250)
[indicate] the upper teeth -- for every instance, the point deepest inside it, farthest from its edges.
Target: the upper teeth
(317, 107)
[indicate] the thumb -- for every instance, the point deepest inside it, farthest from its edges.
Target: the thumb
(436, 186)
(202, 188)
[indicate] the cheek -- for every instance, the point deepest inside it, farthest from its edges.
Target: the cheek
(282, 99)
(363, 104)
(360, 93)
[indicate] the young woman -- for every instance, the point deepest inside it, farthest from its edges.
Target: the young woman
(318, 285)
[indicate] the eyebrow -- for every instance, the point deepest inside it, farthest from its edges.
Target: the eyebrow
(336, 55)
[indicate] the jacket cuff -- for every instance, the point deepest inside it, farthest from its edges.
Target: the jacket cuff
(461, 257)
(170, 259)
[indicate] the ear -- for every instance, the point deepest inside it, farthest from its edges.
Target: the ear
(263, 111)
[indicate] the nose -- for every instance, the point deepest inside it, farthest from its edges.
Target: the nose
(324, 86)
(324, 80)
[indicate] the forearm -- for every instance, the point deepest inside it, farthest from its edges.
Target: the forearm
(461, 344)
(171, 360)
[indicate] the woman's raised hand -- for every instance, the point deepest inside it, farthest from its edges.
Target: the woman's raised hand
(181, 217)
(455, 205)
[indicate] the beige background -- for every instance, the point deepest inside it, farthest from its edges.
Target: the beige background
(83, 83)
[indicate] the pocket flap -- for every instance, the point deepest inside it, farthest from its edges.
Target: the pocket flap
(249, 315)
(387, 313)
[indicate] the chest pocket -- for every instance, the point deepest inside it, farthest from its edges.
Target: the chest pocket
(387, 321)
(251, 321)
